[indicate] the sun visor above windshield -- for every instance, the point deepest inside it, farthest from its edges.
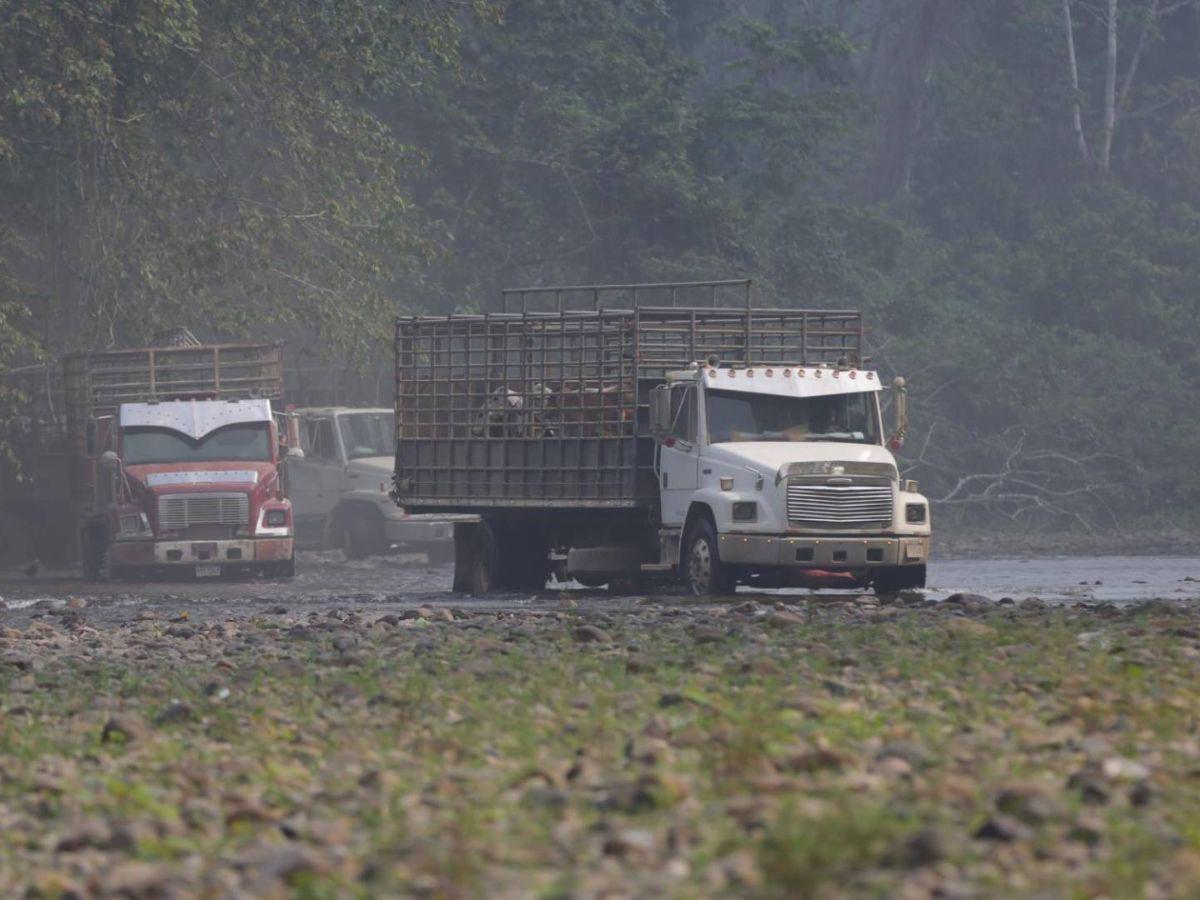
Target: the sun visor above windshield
(793, 382)
(195, 418)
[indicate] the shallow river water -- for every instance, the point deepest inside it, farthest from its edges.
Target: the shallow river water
(1114, 579)
(325, 580)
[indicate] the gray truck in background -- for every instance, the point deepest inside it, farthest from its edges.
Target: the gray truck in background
(339, 484)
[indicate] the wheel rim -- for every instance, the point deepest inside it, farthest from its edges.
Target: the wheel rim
(700, 566)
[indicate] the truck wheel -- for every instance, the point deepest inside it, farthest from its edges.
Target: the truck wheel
(283, 569)
(464, 556)
(94, 551)
(483, 560)
(703, 572)
(362, 534)
(525, 560)
(891, 579)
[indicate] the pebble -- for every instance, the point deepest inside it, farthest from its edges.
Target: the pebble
(1030, 802)
(784, 619)
(134, 878)
(176, 712)
(926, 847)
(590, 634)
(1004, 828)
(126, 728)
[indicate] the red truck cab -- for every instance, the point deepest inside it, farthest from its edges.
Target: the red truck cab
(191, 487)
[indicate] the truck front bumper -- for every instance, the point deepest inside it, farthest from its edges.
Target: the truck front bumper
(232, 557)
(825, 552)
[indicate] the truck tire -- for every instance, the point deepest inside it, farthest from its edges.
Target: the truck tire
(285, 568)
(525, 559)
(703, 572)
(483, 561)
(891, 579)
(464, 558)
(362, 533)
(94, 551)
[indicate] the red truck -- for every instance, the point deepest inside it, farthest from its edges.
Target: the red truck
(174, 464)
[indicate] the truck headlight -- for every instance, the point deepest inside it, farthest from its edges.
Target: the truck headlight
(745, 511)
(276, 518)
(914, 513)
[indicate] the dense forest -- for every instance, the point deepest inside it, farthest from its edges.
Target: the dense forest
(1010, 189)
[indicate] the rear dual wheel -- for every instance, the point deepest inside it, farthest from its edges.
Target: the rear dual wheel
(362, 533)
(499, 556)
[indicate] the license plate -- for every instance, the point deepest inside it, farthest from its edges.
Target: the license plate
(207, 571)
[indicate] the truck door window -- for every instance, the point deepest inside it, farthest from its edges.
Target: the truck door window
(321, 442)
(682, 406)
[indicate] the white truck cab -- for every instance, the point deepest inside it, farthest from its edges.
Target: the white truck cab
(340, 480)
(769, 473)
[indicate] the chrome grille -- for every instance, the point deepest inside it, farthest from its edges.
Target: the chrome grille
(839, 506)
(179, 511)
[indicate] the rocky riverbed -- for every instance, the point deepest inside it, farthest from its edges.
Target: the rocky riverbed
(266, 741)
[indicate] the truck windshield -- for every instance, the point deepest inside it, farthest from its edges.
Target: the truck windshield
(368, 434)
(735, 416)
(244, 441)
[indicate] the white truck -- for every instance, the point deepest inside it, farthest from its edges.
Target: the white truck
(339, 484)
(628, 441)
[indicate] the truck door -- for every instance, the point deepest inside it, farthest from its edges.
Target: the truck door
(315, 480)
(679, 460)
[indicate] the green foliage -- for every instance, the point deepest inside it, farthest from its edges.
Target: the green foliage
(306, 170)
(215, 165)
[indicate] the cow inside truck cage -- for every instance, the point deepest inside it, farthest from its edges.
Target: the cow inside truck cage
(552, 406)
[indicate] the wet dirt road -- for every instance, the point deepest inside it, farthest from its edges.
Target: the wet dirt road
(326, 581)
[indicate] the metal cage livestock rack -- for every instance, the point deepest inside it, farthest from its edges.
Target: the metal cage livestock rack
(549, 407)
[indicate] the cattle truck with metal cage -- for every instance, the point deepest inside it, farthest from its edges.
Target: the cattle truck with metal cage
(630, 436)
(176, 463)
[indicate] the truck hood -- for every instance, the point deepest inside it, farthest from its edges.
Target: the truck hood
(770, 457)
(183, 477)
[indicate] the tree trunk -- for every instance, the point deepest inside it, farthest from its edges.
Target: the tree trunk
(1127, 81)
(1076, 112)
(902, 119)
(1110, 87)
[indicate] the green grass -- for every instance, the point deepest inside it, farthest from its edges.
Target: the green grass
(454, 761)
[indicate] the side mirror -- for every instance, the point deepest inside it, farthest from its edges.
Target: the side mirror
(110, 461)
(660, 409)
(295, 453)
(900, 411)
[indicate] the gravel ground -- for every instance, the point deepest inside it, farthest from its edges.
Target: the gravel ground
(362, 732)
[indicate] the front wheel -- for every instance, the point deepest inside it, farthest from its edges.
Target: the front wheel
(703, 572)
(94, 552)
(361, 534)
(892, 579)
(283, 569)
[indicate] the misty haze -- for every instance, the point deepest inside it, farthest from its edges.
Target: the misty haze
(599, 448)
